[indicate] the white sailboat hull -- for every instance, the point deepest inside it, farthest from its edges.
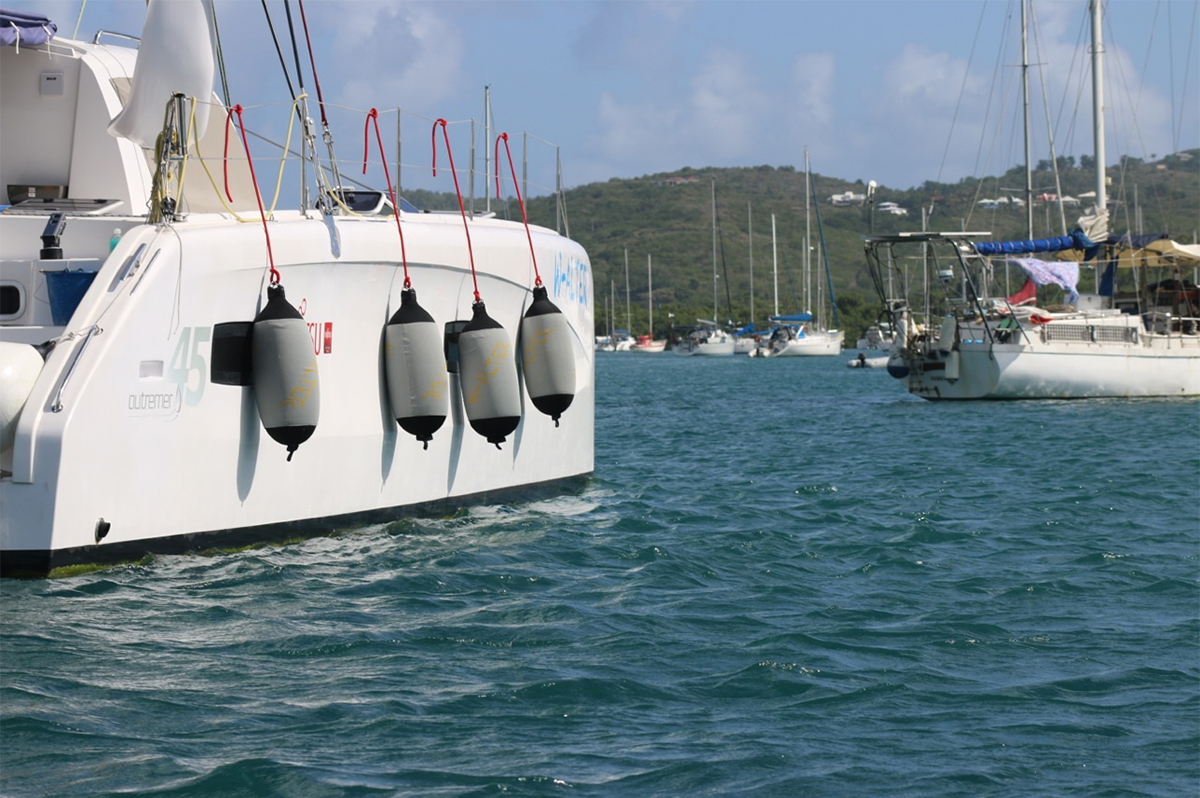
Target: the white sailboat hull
(715, 348)
(813, 344)
(1151, 365)
(744, 346)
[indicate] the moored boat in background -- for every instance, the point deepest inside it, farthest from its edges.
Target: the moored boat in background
(1134, 337)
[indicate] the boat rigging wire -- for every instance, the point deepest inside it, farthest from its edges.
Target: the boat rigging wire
(220, 54)
(326, 134)
(279, 51)
(825, 255)
(962, 89)
(285, 148)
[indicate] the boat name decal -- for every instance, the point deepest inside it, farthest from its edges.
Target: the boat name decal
(145, 403)
(571, 280)
(188, 368)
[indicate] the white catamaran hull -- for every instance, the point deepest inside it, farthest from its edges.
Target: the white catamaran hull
(141, 430)
(125, 438)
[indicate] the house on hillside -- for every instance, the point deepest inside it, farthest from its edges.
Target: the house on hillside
(893, 208)
(846, 199)
(677, 181)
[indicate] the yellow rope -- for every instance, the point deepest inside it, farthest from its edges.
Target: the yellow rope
(279, 178)
(213, 183)
(158, 190)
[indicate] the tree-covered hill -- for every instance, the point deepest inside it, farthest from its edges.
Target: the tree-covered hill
(669, 218)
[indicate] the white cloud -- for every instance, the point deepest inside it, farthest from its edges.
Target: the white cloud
(395, 53)
(727, 106)
(923, 79)
(638, 133)
(812, 77)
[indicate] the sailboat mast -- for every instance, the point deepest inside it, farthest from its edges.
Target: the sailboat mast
(807, 236)
(775, 264)
(487, 151)
(612, 320)
(650, 293)
(628, 313)
(1098, 105)
(750, 233)
(714, 248)
(1025, 100)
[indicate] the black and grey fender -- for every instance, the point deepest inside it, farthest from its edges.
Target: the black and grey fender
(284, 367)
(547, 356)
(415, 368)
(488, 377)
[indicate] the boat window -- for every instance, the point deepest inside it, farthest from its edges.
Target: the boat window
(12, 299)
(371, 202)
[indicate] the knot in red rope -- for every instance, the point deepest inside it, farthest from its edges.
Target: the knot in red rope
(433, 137)
(371, 115)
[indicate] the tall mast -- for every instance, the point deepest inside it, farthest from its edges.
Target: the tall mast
(1025, 100)
(750, 231)
(714, 247)
(1098, 106)
(650, 293)
(807, 262)
(775, 264)
(487, 150)
(628, 314)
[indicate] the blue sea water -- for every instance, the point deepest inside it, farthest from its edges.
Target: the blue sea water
(787, 578)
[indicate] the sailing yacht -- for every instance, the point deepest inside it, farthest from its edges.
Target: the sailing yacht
(708, 338)
(802, 334)
(979, 341)
(647, 343)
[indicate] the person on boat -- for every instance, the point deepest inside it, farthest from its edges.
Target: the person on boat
(862, 360)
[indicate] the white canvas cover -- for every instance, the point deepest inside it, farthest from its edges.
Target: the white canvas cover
(176, 55)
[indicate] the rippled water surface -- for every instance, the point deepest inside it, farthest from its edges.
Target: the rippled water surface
(787, 578)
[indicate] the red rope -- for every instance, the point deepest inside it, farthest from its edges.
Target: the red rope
(313, 62)
(458, 191)
(373, 116)
(225, 156)
(537, 278)
(261, 212)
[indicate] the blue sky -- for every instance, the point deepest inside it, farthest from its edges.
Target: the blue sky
(897, 91)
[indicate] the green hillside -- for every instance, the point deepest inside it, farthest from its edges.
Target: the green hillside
(671, 221)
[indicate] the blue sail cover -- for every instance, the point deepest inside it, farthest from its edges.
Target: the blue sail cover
(1076, 240)
(17, 28)
(793, 317)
